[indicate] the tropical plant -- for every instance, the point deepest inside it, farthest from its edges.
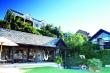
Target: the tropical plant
(74, 42)
(58, 59)
(4, 24)
(104, 55)
(9, 16)
(46, 33)
(74, 61)
(94, 64)
(16, 23)
(51, 30)
(88, 49)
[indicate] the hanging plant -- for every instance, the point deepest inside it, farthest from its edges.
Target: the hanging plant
(58, 60)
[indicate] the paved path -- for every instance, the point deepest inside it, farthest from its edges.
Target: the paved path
(15, 68)
(10, 70)
(28, 65)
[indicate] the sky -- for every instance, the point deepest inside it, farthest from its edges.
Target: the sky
(71, 15)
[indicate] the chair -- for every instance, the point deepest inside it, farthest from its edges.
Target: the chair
(83, 66)
(31, 58)
(8, 60)
(82, 56)
(2, 61)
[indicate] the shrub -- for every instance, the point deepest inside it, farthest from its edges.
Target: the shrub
(104, 55)
(88, 49)
(74, 61)
(94, 64)
(58, 60)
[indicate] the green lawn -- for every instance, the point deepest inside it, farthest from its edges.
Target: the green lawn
(57, 70)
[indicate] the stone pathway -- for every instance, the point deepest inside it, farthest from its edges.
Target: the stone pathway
(15, 68)
(10, 70)
(28, 65)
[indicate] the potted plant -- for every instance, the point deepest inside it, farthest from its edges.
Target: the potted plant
(94, 64)
(58, 60)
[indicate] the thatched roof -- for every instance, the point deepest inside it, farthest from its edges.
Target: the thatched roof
(28, 38)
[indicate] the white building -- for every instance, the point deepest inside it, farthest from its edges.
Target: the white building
(26, 18)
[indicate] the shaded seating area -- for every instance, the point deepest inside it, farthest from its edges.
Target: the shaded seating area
(29, 48)
(8, 60)
(6, 42)
(31, 59)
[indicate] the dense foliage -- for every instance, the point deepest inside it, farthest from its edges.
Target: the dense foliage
(17, 23)
(4, 24)
(88, 49)
(94, 64)
(58, 59)
(74, 61)
(78, 45)
(74, 42)
(54, 31)
(104, 56)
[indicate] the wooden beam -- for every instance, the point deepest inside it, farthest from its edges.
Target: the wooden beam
(12, 55)
(28, 53)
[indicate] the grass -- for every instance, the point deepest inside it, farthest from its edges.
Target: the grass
(57, 70)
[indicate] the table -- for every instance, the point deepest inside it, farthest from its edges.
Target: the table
(2, 61)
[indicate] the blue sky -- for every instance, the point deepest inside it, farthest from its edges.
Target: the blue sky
(71, 15)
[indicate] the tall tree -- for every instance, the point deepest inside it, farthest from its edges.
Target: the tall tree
(88, 49)
(74, 42)
(53, 30)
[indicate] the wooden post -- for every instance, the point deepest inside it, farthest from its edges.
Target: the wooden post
(65, 58)
(1, 50)
(54, 53)
(28, 53)
(12, 55)
(9, 52)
